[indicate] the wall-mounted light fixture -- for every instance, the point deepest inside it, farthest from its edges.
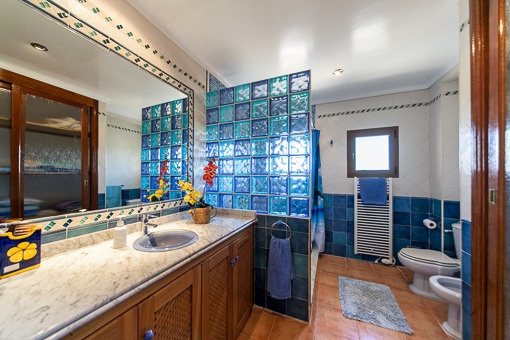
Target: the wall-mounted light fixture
(39, 47)
(338, 71)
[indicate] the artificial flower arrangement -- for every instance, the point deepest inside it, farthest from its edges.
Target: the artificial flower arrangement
(193, 197)
(163, 185)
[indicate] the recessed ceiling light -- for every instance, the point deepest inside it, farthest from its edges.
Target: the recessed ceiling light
(39, 47)
(338, 72)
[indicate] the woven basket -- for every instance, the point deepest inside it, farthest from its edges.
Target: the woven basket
(202, 215)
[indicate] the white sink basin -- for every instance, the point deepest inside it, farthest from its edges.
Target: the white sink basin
(165, 240)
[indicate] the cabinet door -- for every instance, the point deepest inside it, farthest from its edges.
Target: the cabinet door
(216, 295)
(242, 280)
(173, 312)
(124, 327)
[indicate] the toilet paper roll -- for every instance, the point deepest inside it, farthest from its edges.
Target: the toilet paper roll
(429, 223)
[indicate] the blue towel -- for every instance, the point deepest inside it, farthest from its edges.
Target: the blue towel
(373, 190)
(113, 196)
(280, 270)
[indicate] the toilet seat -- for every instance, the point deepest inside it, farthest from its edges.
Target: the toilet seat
(428, 256)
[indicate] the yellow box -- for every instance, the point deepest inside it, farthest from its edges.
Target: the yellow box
(19, 253)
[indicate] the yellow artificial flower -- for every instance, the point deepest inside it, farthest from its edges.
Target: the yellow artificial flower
(23, 251)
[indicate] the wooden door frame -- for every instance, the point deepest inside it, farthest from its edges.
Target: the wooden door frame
(488, 116)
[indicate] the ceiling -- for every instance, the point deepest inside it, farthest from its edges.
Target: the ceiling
(383, 46)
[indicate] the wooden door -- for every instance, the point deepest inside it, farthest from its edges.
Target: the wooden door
(124, 327)
(173, 312)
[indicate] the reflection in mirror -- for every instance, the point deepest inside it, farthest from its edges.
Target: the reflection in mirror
(82, 66)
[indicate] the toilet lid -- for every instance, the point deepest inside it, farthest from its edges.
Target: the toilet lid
(429, 256)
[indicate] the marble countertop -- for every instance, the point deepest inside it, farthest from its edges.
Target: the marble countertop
(71, 288)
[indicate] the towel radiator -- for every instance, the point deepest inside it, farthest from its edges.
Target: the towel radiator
(373, 224)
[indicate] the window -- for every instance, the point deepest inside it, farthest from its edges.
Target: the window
(372, 152)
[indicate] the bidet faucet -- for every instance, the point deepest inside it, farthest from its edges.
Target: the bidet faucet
(146, 224)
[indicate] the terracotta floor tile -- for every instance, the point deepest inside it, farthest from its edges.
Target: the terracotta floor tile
(360, 273)
(394, 281)
(328, 296)
(333, 268)
(321, 334)
(259, 324)
(386, 270)
(358, 263)
(329, 279)
(330, 319)
(287, 328)
(333, 259)
(368, 331)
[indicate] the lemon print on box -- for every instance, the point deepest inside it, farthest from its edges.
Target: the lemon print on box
(22, 252)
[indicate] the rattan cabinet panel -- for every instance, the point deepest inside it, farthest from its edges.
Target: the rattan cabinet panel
(124, 327)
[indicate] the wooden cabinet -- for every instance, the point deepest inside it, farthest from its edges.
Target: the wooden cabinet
(227, 289)
(209, 298)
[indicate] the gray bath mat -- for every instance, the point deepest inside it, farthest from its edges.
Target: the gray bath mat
(373, 303)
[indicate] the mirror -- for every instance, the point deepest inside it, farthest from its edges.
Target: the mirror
(78, 64)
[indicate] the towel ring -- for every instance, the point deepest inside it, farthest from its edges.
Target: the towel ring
(285, 224)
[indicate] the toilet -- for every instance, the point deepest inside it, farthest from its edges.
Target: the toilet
(449, 289)
(426, 263)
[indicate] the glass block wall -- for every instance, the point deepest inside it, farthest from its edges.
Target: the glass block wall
(165, 138)
(260, 134)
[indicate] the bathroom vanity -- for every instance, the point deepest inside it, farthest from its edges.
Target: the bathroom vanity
(204, 290)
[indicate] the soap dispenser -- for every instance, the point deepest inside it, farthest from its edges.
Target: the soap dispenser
(119, 235)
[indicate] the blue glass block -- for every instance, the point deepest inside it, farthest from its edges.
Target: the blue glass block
(299, 144)
(177, 107)
(226, 201)
(146, 155)
(242, 184)
(154, 154)
(154, 182)
(185, 119)
(226, 114)
(164, 152)
(175, 195)
(299, 165)
(212, 150)
(278, 185)
(242, 166)
(259, 166)
(155, 125)
(279, 125)
(212, 116)
(214, 187)
(161, 168)
(278, 106)
(184, 168)
(226, 184)
(242, 129)
(156, 111)
(259, 108)
(279, 165)
(146, 141)
(299, 123)
(227, 131)
(155, 139)
(226, 166)
(299, 206)
(211, 199)
(242, 111)
(242, 93)
(176, 122)
(300, 102)
(165, 138)
(146, 168)
(177, 137)
(184, 137)
(242, 147)
(146, 113)
(259, 185)
(278, 86)
(184, 105)
(259, 127)
(211, 132)
(299, 185)
(227, 149)
(145, 182)
(242, 202)
(259, 89)
(166, 124)
(259, 146)
(278, 145)
(175, 168)
(176, 152)
(227, 96)
(166, 109)
(184, 149)
(212, 99)
(299, 82)
(259, 204)
(174, 182)
(146, 127)
(278, 205)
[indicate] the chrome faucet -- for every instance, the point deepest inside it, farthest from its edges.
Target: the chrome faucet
(146, 224)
